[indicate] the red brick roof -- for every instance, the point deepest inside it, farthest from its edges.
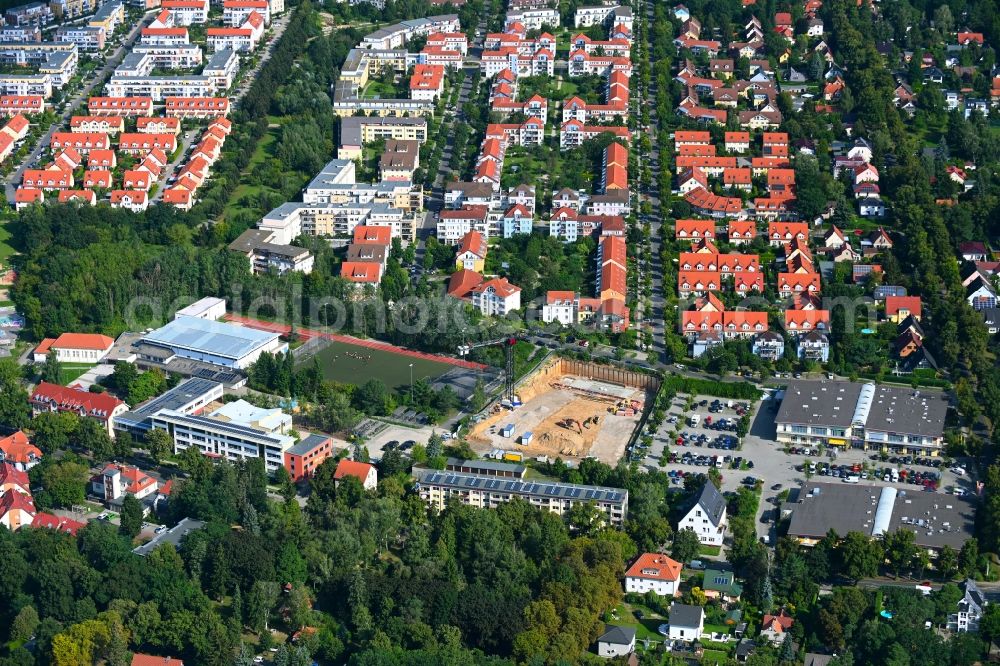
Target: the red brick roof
(17, 449)
(655, 566)
(358, 470)
(64, 398)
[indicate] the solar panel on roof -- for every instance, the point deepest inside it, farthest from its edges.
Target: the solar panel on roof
(509, 486)
(591, 494)
(551, 490)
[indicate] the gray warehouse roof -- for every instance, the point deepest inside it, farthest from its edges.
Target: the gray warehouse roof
(211, 337)
(826, 403)
(909, 411)
(935, 519)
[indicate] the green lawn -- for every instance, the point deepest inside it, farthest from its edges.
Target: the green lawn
(646, 627)
(6, 250)
(709, 550)
(380, 90)
(353, 364)
(717, 629)
(715, 658)
(70, 372)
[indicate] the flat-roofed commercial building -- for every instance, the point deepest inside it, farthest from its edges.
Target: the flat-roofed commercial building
(218, 343)
(237, 430)
(487, 492)
(188, 397)
(863, 416)
(936, 520)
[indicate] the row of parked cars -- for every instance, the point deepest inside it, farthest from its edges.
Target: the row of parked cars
(803, 451)
(695, 439)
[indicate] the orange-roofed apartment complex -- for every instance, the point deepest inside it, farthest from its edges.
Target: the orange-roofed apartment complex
(656, 573)
(363, 472)
(75, 348)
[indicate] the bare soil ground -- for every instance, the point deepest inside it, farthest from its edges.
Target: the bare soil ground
(565, 422)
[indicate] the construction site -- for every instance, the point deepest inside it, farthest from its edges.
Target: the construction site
(567, 409)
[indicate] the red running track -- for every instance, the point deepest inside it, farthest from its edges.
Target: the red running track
(309, 333)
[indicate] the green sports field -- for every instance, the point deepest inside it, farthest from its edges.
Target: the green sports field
(353, 364)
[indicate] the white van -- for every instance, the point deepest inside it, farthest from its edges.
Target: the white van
(694, 420)
(895, 475)
(853, 478)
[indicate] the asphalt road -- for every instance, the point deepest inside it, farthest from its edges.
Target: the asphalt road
(97, 79)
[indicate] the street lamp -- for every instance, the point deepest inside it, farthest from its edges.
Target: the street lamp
(411, 384)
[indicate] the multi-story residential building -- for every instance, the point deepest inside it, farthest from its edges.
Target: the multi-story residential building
(242, 39)
(222, 68)
(235, 12)
(37, 14)
(187, 12)
(109, 16)
(97, 124)
(164, 36)
(482, 491)
(196, 107)
(357, 131)
(159, 88)
(656, 573)
(28, 104)
(496, 297)
(120, 106)
(269, 257)
(22, 85)
(63, 10)
(144, 58)
(397, 35)
(86, 37)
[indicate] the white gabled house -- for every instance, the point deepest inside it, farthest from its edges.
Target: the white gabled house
(707, 517)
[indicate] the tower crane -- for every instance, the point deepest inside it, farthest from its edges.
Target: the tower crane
(508, 347)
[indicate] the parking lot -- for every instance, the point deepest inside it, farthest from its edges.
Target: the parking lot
(777, 467)
(403, 436)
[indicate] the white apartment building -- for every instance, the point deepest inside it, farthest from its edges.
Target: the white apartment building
(560, 306)
(293, 219)
(496, 297)
(235, 12)
(396, 36)
(86, 38)
(26, 84)
(187, 12)
(222, 68)
(160, 87)
(177, 56)
(534, 18)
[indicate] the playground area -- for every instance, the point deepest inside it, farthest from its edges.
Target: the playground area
(565, 416)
